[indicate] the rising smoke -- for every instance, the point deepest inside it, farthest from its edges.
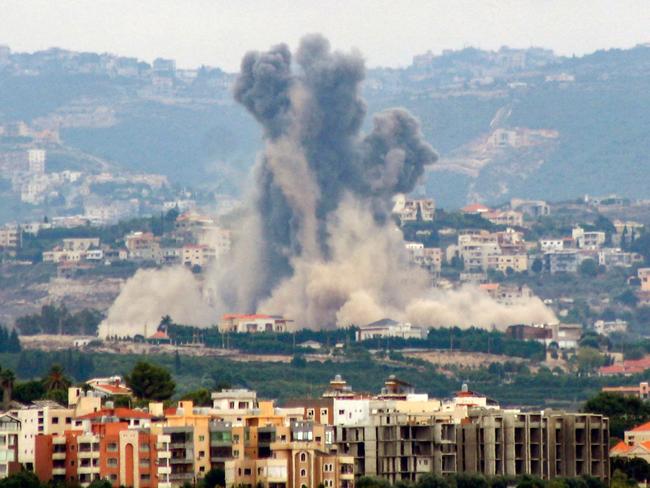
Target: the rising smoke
(317, 244)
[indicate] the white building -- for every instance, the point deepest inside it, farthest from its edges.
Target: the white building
(588, 239)
(9, 433)
(36, 161)
(608, 327)
(390, 328)
(253, 323)
(9, 237)
(551, 245)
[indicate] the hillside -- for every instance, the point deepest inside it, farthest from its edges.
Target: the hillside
(568, 126)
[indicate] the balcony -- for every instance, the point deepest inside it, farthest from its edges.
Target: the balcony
(58, 455)
(58, 471)
(181, 476)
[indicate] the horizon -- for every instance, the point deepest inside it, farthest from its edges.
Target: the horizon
(214, 33)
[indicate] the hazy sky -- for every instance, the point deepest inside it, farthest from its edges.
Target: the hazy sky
(389, 33)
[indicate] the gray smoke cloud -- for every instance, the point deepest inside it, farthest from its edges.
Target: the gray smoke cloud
(315, 155)
(316, 244)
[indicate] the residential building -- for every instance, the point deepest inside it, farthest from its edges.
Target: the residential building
(36, 161)
(551, 245)
(641, 391)
(197, 255)
(635, 444)
(627, 367)
(607, 327)
(410, 210)
(588, 239)
(532, 208)
(510, 218)
(10, 428)
(143, 246)
(9, 237)
(390, 328)
(43, 417)
(475, 209)
(614, 257)
(565, 261)
(644, 278)
(255, 323)
(80, 243)
(429, 258)
(507, 263)
(566, 336)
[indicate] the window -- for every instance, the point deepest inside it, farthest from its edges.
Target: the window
(235, 438)
(247, 471)
(111, 447)
(303, 457)
(55, 420)
(303, 473)
(235, 453)
(68, 420)
(112, 462)
(145, 477)
(201, 438)
(144, 462)
(201, 454)
(231, 404)
(144, 447)
(310, 413)
(341, 412)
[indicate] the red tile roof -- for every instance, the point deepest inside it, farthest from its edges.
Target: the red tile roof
(115, 389)
(475, 208)
(642, 428)
(120, 412)
(231, 316)
(160, 334)
(621, 448)
(632, 366)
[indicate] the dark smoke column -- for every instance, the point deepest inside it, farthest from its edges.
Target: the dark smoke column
(312, 113)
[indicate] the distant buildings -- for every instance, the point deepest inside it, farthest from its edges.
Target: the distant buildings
(566, 336)
(607, 327)
(635, 444)
(641, 391)
(390, 328)
(253, 323)
(628, 367)
(410, 210)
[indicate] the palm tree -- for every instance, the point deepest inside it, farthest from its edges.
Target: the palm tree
(56, 379)
(7, 379)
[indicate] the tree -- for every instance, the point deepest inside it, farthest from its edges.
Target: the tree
(537, 265)
(100, 484)
(177, 362)
(213, 478)
(150, 382)
(28, 391)
(200, 397)
(589, 267)
(623, 412)
(7, 380)
(56, 379)
(432, 481)
(23, 479)
(466, 480)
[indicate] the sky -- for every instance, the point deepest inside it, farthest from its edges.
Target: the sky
(388, 33)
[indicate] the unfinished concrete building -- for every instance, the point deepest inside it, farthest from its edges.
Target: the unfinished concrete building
(491, 442)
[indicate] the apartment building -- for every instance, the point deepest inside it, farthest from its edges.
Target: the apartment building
(10, 428)
(410, 210)
(300, 455)
(507, 263)
(9, 237)
(399, 447)
(390, 328)
(510, 218)
(110, 450)
(644, 278)
(197, 255)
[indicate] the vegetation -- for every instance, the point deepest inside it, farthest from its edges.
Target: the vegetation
(150, 382)
(55, 319)
(623, 412)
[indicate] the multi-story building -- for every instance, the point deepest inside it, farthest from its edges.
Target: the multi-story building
(533, 208)
(36, 161)
(9, 237)
(588, 239)
(641, 391)
(510, 218)
(197, 255)
(390, 328)
(614, 257)
(507, 263)
(43, 417)
(143, 246)
(10, 428)
(491, 442)
(635, 444)
(255, 323)
(410, 210)
(565, 261)
(644, 278)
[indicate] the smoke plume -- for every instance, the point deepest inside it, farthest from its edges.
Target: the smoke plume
(317, 244)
